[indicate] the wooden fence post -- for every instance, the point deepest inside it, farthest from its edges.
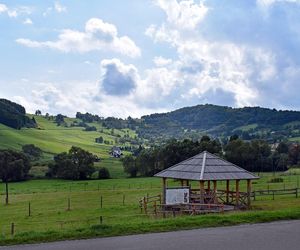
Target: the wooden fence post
(273, 196)
(12, 231)
(101, 220)
(101, 201)
(155, 209)
(296, 192)
(29, 209)
(69, 204)
(145, 205)
(123, 199)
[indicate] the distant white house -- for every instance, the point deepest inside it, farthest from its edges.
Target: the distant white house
(116, 152)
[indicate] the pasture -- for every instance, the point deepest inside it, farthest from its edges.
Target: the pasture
(53, 139)
(68, 209)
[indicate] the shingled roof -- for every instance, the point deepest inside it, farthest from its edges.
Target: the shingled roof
(206, 166)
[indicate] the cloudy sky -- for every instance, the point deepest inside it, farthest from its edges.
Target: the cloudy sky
(136, 57)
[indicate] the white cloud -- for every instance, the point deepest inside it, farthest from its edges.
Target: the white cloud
(204, 65)
(80, 96)
(3, 8)
(56, 7)
(59, 8)
(98, 35)
(28, 21)
(15, 12)
(183, 14)
(118, 79)
(160, 61)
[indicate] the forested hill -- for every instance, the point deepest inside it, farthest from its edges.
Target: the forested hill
(189, 122)
(14, 115)
(219, 120)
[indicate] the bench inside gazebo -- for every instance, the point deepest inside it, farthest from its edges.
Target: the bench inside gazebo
(207, 169)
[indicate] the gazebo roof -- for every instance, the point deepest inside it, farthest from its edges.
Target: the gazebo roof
(206, 166)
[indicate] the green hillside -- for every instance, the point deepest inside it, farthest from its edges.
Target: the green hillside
(53, 139)
(248, 122)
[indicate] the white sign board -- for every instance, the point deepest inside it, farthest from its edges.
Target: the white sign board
(177, 196)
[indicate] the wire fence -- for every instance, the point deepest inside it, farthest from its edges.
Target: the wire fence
(74, 205)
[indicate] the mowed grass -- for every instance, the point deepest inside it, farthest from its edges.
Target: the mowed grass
(51, 220)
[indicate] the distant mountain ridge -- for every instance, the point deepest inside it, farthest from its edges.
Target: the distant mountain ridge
(188, 122)
(218, 120)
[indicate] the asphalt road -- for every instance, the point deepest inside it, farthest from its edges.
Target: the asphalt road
(283, 235)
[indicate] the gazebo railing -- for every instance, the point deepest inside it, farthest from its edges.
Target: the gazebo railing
(220, 197)
(230, 198)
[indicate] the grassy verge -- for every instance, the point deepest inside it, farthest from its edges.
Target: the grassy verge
(156, 225)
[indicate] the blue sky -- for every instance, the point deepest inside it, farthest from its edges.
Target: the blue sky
(121, 58)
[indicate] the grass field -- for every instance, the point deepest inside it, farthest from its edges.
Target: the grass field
(50, 219)
(53, 139)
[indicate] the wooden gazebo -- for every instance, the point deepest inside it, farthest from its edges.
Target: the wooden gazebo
(206, 168)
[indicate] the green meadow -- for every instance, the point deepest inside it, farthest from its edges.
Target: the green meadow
(72, 209)
(53, 139)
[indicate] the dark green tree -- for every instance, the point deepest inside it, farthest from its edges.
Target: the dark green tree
(14, 166)
(294, 154)
(59, 119)
(103, 173)
(129, 165)
(282, 148)
(77, 164)
(32, 151)
(38, 112)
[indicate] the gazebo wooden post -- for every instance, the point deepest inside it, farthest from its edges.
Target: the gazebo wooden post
(248, 193)
(182, 182)
(164, 180)
(187, 183)
(208, 186)
(227, 191)
(215, 191)
(202, 191)
(237, 192)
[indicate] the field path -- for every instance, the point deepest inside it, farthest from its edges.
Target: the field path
(273, 236)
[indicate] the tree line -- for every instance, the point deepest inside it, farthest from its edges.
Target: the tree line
(255, 155)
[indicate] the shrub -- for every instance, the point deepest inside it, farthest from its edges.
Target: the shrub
(92, 128)
(32, 151)
(103, 173)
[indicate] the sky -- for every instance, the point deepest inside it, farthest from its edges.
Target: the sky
(136, 57)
